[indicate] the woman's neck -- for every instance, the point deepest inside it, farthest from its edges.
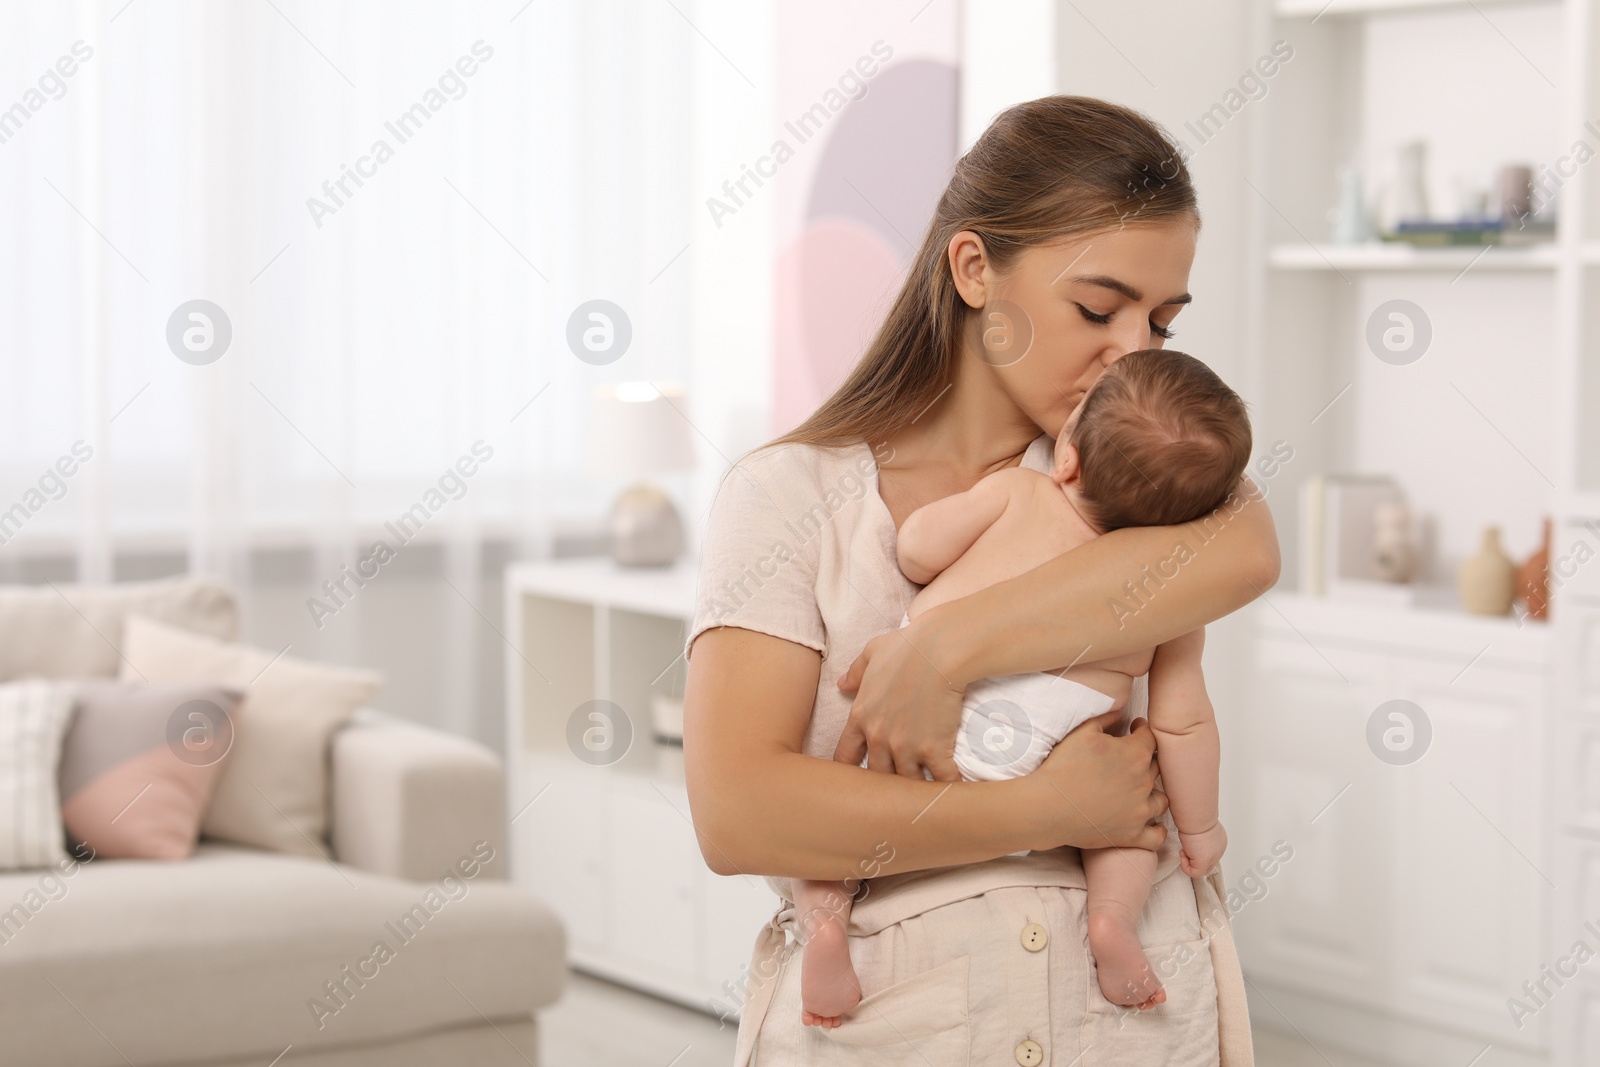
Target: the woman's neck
(970, 430)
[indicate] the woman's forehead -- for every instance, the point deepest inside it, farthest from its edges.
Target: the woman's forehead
(1147, 252)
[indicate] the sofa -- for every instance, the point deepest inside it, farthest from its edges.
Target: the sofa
(223, 958)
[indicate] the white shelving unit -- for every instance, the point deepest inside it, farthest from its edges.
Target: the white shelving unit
(1395, 256)
(1427, 893)
(1313, 9)
(610, 845)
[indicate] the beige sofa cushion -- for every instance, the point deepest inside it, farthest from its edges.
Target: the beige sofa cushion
(221, 956)
(273, 790)
(75, 631)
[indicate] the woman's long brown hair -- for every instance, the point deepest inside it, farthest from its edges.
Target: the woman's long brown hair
(1043, 171)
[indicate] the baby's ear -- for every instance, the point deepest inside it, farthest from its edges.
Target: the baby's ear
(1066, 468)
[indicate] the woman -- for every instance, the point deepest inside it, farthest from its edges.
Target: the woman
(1064, 241)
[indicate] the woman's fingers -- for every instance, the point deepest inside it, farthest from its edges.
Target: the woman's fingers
(910, 769)
(1151, 837)
(943, 768)
(903, 716)
(879, 758)
(1159, 804)
(852, 743)
(850, 680)
(1140, 728)
(1106, 721)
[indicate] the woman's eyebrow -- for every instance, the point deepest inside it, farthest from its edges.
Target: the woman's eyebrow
(1108, 282)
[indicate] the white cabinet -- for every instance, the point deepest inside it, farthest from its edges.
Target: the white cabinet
(610, 846)
(653, 862)
(1574, 1001)
(558, 852)
(1420, 887)
(1315, 786)
(1467, 828)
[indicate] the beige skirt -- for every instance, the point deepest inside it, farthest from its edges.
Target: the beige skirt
(990, 964)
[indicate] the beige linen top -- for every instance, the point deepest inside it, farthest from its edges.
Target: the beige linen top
(799, 544)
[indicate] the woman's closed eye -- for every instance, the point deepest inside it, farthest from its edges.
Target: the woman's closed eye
(1164, 332)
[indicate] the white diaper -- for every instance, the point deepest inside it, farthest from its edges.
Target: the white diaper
(1009, 723)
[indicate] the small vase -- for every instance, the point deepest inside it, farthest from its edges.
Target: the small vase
(1411, 182)
(1533, 579)
(1394, 556)
(1487, 580)
(645, 528)
(1351, 223)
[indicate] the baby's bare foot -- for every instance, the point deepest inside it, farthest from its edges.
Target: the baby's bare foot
(1120, 963)
(828, 985)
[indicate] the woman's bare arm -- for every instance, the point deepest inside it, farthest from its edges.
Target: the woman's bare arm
(1122, 592)
(1143, 586)
(760, 805)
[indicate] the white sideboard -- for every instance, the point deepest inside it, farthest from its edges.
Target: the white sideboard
(1431, 872)
(1574, 1002)
(602, 833)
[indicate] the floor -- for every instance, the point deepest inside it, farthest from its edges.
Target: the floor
(597, 1022)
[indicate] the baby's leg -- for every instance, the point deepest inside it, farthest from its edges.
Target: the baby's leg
(1119, 881)
(828, 985)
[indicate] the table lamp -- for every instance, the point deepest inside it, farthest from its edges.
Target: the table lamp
(638, 429)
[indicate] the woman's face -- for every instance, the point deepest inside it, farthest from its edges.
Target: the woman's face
(1074, 307)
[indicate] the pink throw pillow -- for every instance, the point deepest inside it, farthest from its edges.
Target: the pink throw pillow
(139, 764)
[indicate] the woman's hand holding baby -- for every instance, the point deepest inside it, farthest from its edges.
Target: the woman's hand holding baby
(1098, 790)
(1093, 790)
(906, 711)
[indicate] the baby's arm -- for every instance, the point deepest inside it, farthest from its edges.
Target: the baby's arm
(1188, 749)
(935, 535)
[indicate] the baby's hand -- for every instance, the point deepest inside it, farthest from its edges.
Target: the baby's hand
(1201, 852)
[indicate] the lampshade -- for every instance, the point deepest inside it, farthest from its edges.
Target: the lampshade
(640, 428)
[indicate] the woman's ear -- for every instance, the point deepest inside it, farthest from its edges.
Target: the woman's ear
(968, 263)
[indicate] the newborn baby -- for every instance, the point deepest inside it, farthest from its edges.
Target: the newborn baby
(1158, 440)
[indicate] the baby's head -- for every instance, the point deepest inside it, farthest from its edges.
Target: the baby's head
(1158, 440)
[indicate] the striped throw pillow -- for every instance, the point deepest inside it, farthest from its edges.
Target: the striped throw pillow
(34, 713)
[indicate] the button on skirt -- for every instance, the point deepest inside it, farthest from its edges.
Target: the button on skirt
(968, 982)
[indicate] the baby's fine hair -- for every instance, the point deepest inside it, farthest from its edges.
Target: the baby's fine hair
(1161, 440)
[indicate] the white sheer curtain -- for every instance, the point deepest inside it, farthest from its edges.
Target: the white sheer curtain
(389, 306)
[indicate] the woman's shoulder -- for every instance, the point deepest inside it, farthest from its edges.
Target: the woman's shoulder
(796, 471)
(802, 455)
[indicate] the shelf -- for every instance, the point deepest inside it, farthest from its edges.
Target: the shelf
(1291, 9)
(1426, 628)
(1385, 256)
